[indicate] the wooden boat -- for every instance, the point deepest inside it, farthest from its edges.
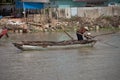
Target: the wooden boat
(43, 45)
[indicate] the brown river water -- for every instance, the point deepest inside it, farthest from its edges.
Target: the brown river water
(101, 62)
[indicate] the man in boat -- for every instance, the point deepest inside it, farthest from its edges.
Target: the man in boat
(4, 31)
(83, 33)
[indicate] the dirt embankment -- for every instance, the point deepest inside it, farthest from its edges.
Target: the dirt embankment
(102, 21)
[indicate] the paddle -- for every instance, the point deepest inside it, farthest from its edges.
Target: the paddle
(67, 33)
(103, 34)
(108, 44)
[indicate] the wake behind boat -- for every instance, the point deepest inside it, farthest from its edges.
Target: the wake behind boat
(43, 45)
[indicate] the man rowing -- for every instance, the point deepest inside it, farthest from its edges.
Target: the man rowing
(83, 33)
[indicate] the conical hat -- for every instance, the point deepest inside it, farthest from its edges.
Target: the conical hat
(86, 28)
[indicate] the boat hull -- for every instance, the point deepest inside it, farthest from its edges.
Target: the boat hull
(26, 47)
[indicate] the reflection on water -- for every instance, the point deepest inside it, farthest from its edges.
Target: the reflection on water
(100, 62)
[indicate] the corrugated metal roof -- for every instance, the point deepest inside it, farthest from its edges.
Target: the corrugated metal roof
(66, 3)
(117, 1)
(43, 1)
(91, 0)
(112, 1)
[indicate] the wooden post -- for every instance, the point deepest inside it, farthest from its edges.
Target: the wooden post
(24, 12)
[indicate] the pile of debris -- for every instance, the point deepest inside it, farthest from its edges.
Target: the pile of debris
(92, 23)
(14, 24)
(102, 21)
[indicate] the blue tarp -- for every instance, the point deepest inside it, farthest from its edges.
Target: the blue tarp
(18, 4)
(1, 17)
(32, 5)
(29, 5)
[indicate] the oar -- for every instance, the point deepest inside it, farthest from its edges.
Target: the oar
(108, 44)
(103, 34)
(67, 33)
(105, 42)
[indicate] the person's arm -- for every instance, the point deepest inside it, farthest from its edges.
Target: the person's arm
(88, 35)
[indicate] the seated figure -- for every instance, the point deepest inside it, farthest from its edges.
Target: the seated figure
(82, 33)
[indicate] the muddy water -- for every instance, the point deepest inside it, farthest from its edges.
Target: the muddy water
(102, 62)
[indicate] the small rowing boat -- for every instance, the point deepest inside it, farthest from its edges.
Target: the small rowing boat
(43, 45)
